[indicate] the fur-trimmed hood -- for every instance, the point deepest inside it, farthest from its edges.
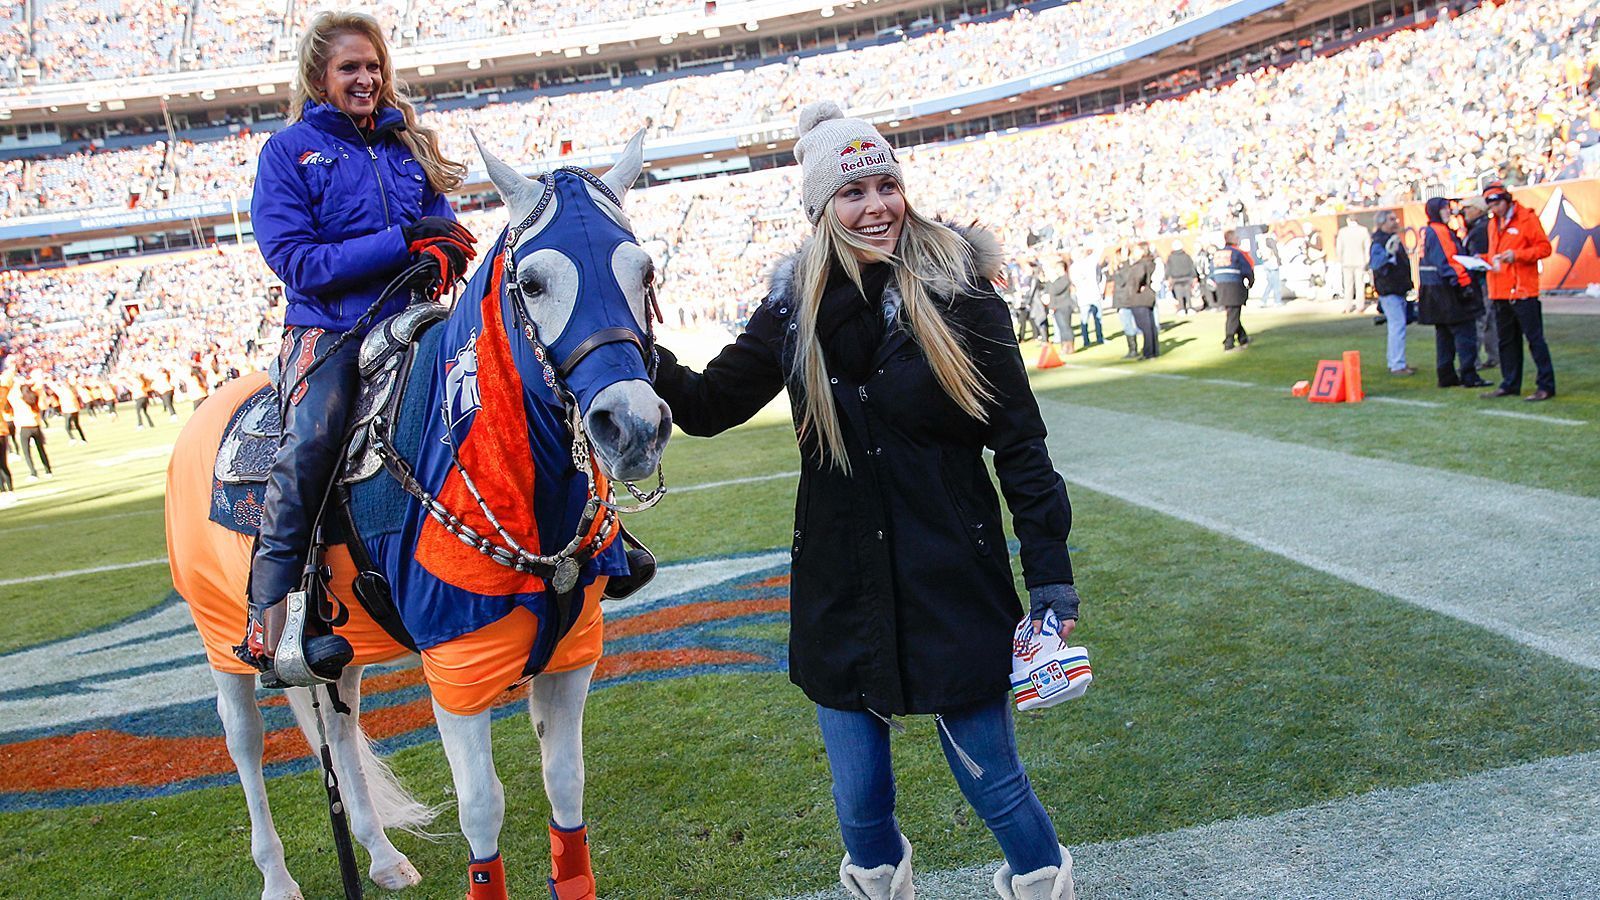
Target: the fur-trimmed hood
(986, 259)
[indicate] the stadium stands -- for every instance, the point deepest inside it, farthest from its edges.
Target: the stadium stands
(1509, 88)
(944, 61)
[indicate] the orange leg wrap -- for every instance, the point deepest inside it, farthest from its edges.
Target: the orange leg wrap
(572, 877)
(487, 880)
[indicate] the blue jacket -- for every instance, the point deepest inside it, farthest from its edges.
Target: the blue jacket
(1391, 269)
(328, 210)
(1233, 266)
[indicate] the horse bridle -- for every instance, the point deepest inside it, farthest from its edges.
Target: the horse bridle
(561, 569)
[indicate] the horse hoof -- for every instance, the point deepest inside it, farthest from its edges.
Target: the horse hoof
(290, 893)
(399, 876)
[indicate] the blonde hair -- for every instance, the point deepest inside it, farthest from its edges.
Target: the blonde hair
(929, 260)
(316, 48)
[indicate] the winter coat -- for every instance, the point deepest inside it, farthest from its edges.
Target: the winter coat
(1141, 274)
(1180, 267)
(1122, 286)
(1523, 235)
(1059, 291)
(1478, 245)
(1390, 265)
(329, 207)
(1446, 295)
(902, 597)
(1235, 274)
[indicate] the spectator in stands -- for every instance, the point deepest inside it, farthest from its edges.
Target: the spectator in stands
(906, 364)
(1352, 244)
(1391, 278)
(336, 231)
(1235, 275)
(1181, 274)
(1516, 244)
(1476, 244)
(1448, 302)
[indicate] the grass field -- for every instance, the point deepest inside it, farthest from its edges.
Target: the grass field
(1230, 680)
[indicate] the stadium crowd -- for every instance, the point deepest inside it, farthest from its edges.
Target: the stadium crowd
(960, 56)
(1275, 144)
(81, 40)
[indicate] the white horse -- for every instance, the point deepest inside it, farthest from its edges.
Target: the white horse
(551, 351)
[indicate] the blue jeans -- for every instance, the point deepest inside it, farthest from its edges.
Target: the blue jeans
(1394, 309)
(1273, 296)
(1092, 315)
(863, 784)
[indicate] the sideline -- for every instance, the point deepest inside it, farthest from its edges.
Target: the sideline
(1530, 831)
(1393, 401)
(1392, 527)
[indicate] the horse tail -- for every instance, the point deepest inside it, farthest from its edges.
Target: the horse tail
(394, 805)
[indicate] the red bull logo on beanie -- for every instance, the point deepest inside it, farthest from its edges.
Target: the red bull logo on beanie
(860, 154)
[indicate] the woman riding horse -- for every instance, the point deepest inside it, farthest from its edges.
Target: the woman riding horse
(345, 198)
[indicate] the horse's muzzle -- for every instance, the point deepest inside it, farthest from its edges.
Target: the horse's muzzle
(628, 427)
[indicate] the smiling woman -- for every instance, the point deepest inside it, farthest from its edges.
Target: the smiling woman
(900, 363)
(347, 197)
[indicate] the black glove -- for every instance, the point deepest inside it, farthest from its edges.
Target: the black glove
(447, 244)
(437, 227)
(1060, 598)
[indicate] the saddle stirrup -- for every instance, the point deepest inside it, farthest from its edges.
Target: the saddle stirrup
(291, 665)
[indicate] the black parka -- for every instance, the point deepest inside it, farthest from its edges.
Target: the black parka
(902, 599)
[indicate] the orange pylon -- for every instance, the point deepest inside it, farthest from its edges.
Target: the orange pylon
(1049, 358)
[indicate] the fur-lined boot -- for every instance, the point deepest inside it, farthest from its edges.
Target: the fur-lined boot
(885, 882)
(1048, 883)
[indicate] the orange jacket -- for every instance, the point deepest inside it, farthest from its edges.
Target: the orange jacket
(1525, 237)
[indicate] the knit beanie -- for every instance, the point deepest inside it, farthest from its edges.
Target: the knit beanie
(834, 151)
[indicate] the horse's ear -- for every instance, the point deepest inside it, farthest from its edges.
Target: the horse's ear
(625, 171)
(515, 190)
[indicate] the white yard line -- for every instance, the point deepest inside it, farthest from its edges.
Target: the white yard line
(51, 576)
(753, 479)
(134, 456)
(1401, 401)
(1531, 574)
(1530, 417)
(1530, 832)
(153, 511)
(1229, 382)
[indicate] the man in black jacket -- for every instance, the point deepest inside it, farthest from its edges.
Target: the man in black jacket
(1181, 274)
(1477, 244)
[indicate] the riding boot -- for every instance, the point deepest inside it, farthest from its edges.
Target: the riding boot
(885, 882)
(316, 413)
(1048, 883)
(486, 879)
(1133, 347)
(571, 874)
